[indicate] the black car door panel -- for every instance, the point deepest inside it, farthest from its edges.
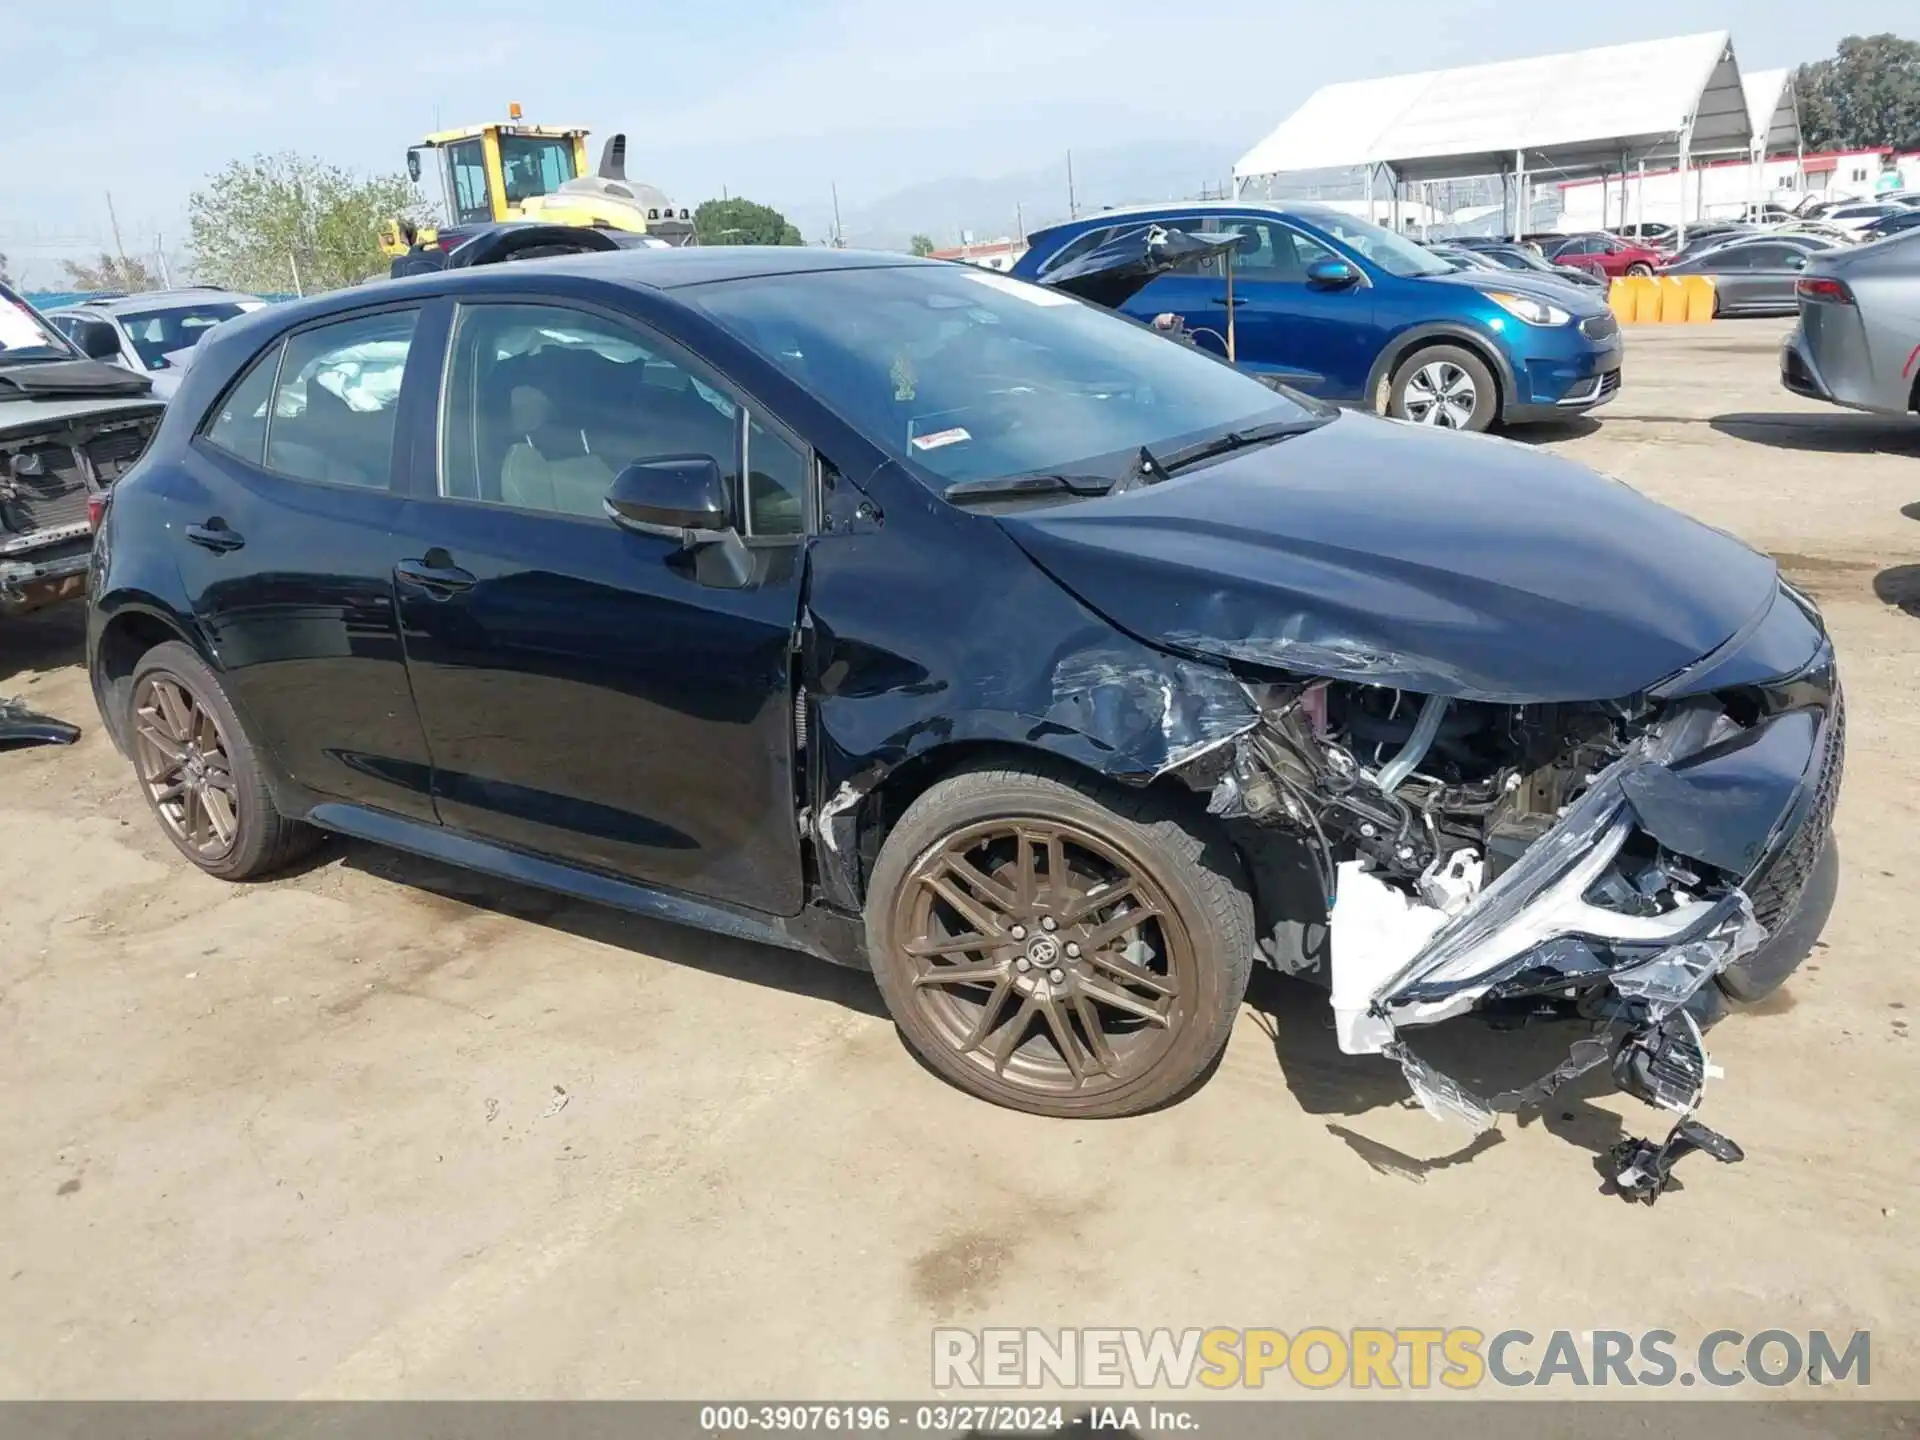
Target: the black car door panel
(288, 537)
(585, 694)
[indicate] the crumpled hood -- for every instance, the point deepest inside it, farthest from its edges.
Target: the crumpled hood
(1397, 555)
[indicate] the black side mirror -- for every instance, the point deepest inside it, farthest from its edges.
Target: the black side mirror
(413, 166)
(684, 498)
(1332, 275)
(97, 341)
(680, 497)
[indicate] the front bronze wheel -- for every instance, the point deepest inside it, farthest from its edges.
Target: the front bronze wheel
(1055, 953)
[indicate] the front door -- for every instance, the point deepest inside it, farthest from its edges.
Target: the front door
(586, 693)
(288, 535)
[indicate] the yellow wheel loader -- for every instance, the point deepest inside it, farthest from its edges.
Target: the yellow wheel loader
(494, 173)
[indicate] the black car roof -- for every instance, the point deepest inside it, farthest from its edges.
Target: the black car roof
(652, 269)
(702, 264)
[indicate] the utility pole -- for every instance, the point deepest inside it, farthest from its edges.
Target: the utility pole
(839, 239)
(160, 254)
(114, 221)
(1073, 205)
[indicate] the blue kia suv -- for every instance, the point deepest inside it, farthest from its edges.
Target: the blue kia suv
(1350, 311)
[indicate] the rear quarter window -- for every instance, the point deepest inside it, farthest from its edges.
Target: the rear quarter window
(237, 423)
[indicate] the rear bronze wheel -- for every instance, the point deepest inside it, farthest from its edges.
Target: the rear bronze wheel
(181, 757)
(199, 773)
(1053, 953)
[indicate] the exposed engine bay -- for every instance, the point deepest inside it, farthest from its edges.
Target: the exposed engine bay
(1573, 859)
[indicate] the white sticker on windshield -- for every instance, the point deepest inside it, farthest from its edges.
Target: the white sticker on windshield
(941, 437)
(18, 330)
(1019, 289)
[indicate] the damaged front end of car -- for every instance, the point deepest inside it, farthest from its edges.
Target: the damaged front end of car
(1605, 860)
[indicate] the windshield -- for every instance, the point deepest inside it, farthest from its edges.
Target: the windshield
(24, 335)
(158, 334)
(533, 166)
(1393, 253)
(971, 375)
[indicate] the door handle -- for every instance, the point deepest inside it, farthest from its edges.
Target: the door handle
(1237, 301)
(214, 535)
(436, 574)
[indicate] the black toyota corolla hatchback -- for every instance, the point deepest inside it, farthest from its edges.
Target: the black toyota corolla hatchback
(925, 619)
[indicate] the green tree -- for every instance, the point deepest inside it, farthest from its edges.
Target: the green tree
(286, 221)
(111, 272)
(1867, 95)
(742, 222)
(921, 244)
(5, 278)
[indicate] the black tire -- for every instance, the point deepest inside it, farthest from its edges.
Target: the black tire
(1639, 268)
(1430, 371)
(262, 840)
(1786, 950)
(1205, 943)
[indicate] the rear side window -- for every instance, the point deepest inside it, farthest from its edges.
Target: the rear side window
(1080, 245)
(238, 424)
(336, 399)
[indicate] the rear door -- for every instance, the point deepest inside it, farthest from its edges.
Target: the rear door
(290, 529)
(1774, 273)
(588, 695)
(1195, 293)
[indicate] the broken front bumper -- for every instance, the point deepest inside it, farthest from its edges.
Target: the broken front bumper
(1756, 802)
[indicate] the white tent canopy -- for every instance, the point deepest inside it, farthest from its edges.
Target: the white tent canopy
(1588, 112)
(1773, 111)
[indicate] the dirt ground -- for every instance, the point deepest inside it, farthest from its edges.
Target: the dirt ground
(386, 1129)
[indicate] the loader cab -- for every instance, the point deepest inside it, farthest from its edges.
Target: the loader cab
(489, 172)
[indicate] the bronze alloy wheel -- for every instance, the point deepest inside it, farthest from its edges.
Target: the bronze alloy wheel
(1045, 956)
(181, 756)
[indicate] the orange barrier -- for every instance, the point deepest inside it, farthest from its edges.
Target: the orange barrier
(1662, 300)
(1699, 299)
(1620, 299)
(1673, 300)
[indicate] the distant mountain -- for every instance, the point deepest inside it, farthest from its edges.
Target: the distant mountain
(992, 206)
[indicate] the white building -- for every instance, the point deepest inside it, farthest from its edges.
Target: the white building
(1723, 189)
(1001, 254)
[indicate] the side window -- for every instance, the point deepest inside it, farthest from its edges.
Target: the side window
(334, 404)
(467, 165)
(238, 424)
(544, 406)
(776, 484)
(1308, 251)
(1264, 251)
(1199, 225)
(1078, 246)
(1734, 257)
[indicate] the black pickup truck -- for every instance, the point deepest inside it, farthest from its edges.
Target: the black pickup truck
(69, 428)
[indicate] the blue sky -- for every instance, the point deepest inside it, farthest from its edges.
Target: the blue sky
(772, 100)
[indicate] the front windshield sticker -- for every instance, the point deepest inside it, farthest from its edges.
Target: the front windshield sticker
(1019, 289)
(941, 437)
(19, 330)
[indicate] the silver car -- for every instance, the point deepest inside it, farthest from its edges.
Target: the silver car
(151, 334)
(1858, 341)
